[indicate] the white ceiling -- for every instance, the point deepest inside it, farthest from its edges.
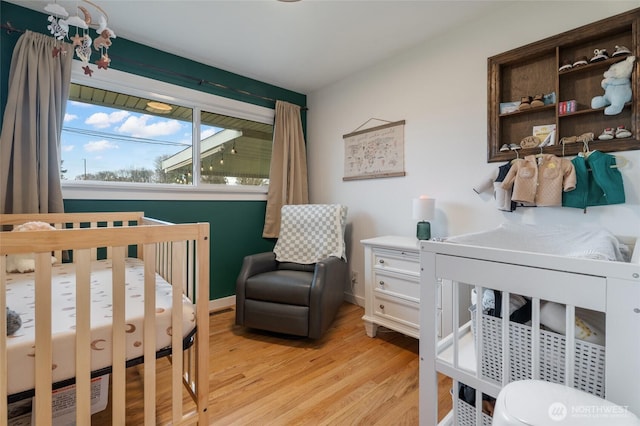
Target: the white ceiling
(301, 46)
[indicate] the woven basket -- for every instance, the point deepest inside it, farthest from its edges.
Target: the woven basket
(467, 415)
(589, 371)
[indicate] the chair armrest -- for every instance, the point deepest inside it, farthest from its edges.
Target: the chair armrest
(327, 294)
(257, 264)
(251, 265)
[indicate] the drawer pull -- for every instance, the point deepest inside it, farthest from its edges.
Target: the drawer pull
(381, 283)
(381, 261)
(381, 306)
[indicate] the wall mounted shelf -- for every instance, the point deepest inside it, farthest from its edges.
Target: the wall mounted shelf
(534, 69)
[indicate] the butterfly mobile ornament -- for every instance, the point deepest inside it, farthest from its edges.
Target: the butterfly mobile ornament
(59, 22)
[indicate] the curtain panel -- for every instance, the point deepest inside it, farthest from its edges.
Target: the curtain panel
(288, 173)
(39, 81)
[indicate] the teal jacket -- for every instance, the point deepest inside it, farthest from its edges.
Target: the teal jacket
(597, 183)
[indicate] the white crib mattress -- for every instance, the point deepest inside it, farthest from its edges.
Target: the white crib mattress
(20, 298)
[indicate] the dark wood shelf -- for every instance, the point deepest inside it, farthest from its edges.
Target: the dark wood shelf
(600, 65)
(590, 111)
(530, 110)
(533, 69)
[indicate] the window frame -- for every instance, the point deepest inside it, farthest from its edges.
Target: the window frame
(115, 80)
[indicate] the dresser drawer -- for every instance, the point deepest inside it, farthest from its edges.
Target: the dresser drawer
(400, 260)
(396, 309)
(404, 285)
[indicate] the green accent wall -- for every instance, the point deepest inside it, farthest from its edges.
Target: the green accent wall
(236, 226)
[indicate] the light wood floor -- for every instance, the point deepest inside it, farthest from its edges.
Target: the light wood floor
(259, 378)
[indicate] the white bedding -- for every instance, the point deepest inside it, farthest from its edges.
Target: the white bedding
(582, 242)
(20, 298)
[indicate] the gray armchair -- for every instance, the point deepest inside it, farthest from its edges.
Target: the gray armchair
(298, 288)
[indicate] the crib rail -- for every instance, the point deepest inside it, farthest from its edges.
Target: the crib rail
(177, 252)
(77, 221)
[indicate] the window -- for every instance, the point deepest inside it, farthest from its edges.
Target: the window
(166, 134)
(233, 151)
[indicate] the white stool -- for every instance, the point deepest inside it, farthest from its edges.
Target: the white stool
(536, 402)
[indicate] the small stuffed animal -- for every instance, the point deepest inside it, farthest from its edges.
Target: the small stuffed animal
(617, 87)
(14, 322)
(25, 262)
(103, 40)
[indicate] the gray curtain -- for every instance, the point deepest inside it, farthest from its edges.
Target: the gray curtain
(288, 172)
(30, 140)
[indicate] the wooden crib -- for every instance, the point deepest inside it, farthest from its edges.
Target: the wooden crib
(175, 256)
(485, 353)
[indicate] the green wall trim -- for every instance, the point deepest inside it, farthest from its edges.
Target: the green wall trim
(235, 227)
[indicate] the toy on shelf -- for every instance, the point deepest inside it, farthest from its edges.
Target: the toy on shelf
(617, 87)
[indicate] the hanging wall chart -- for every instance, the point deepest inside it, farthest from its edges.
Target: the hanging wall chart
(374, 152)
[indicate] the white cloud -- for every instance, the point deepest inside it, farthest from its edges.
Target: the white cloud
(67, 148)
(102, 120)
(99, 120)
(138, 127)
(69, 117)
(99, 146)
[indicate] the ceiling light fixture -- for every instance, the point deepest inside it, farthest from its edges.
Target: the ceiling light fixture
(158, 107)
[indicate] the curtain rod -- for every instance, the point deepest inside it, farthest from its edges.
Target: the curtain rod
(11, 29)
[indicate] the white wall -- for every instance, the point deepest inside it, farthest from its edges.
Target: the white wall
(440, 89)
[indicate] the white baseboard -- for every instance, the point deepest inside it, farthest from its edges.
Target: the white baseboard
(356, 300)
(222, 303)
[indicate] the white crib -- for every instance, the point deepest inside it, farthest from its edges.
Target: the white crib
(509, 351)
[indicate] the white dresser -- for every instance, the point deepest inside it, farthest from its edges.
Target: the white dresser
(392, 287)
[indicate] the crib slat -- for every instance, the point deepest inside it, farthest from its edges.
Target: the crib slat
(83, 336)
(456, 324)
(202, 250)
(43, 349)
(58, 253)
(118, 382)
(94, 250)
(177, 282)
(478, 333)
(149, 335)
(3, 339)
(191, 288)
(535, 338)
(570, 353)
(506, 296)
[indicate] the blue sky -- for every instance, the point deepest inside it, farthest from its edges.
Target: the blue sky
(113, 139)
